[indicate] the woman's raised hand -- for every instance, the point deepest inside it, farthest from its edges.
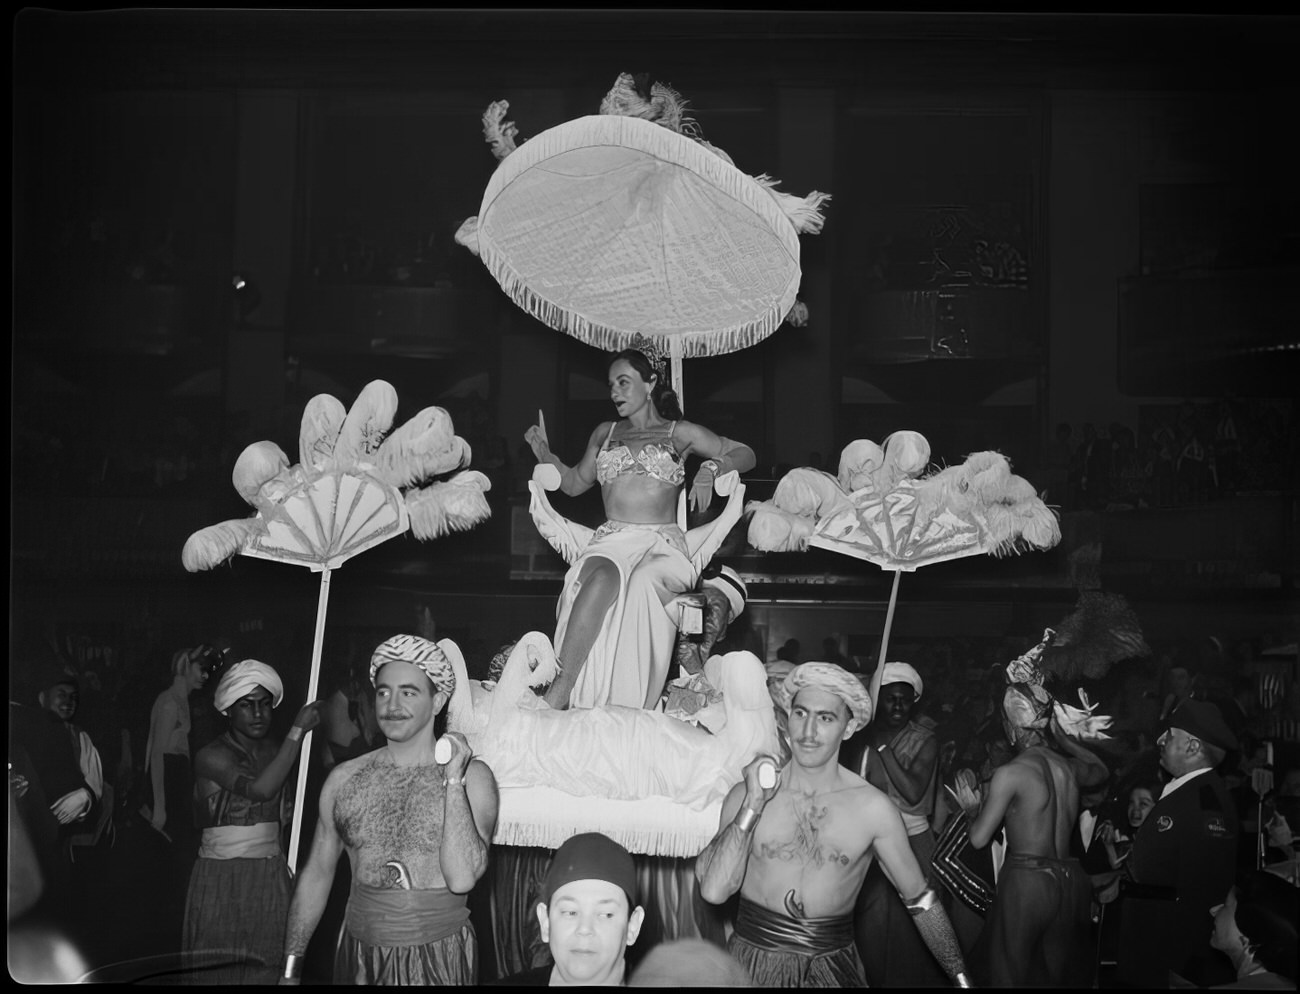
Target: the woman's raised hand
(537, 440)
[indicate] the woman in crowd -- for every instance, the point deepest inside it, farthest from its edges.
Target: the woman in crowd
(1255, 928)
(167, 752)
(238, 900)
(1116, 840)
(613, 636)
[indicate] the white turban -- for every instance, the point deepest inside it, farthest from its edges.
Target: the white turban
(902, 673)
(834, 680)
(242, 679)
(419, 652)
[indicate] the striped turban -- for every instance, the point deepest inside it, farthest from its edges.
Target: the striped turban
(428, 656)
(834, 680)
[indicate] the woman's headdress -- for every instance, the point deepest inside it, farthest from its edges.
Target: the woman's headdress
(655, 353)
(1028, 705)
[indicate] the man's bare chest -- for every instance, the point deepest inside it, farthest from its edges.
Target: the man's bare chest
(810, 832)
(394, 808)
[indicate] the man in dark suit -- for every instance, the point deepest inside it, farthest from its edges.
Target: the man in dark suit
(1183, 860)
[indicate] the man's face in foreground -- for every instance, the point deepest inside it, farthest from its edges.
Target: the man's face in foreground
(818, 720)
(405, 701)
(588, 927)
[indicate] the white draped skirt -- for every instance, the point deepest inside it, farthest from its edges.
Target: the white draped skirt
(628, 663)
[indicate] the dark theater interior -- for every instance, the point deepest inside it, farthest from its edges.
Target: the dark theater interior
(1070, 239)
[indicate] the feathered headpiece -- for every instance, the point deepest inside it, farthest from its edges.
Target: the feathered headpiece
(1101, 630)
(1028, 704)
(655, 353)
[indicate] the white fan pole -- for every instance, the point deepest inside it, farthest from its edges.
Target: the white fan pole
(304, 756)
(889, 623)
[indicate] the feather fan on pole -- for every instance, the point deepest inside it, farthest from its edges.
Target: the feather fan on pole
(344, 496)
(883, 507)
(346, 493)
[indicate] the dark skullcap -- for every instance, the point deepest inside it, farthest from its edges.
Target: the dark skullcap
(591, 856)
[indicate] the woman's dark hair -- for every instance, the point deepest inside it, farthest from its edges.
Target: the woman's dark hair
(664, 396)
(1267, 917)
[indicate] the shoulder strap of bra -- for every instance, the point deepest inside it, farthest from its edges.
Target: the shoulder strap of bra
(610, 436)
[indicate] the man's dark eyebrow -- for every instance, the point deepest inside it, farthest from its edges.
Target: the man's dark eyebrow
(400, 686)
(811, 710)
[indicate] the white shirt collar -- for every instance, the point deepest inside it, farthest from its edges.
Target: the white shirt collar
(1177, 782)
(1087, 822)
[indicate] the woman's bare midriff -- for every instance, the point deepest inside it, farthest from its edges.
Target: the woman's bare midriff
(640, 499)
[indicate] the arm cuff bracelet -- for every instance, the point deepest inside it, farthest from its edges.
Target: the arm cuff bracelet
(746, 820)
(923, 901)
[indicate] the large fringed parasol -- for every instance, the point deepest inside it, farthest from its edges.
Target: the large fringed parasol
(626, 226)
(884, 508)
(355, 486)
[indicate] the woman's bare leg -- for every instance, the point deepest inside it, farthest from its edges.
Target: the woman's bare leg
(597, 593)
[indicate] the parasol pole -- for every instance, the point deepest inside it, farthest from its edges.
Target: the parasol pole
(675, 370)
(305, 754)
(889, 619)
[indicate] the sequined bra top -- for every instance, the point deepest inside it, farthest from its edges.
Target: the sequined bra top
(658, 460)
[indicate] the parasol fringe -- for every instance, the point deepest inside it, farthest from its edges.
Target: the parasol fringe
(804, 212)
(551, 835)
(692, 344)
(211, 546)
(500, 136)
